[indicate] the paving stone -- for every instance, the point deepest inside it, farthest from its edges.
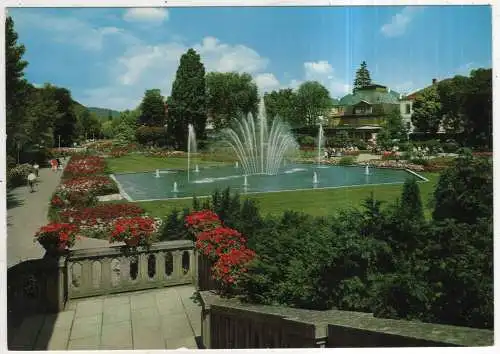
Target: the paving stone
(89, 307)
(116, 313)
(86, 343)
(148, 338)
(117, 336)
(186, 342)
(142, 301)
(86, 327)
(116, 300)
(169, 306)
(176, 326)
(147, 317)
(53, 339)
(25, 338)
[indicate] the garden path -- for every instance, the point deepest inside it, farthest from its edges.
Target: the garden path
(27, 212)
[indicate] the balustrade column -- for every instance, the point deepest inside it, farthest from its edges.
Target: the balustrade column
(106, 273)
(160, 267)
(177, 264)
(142, 263)
(86, 275)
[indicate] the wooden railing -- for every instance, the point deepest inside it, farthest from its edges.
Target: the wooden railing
(230, 324)
(110, 270)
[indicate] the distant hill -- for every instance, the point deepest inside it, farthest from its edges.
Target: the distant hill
(103, 113)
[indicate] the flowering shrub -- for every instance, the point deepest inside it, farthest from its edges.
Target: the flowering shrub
(57, 236)
(75, 199)
(224, 247)
(203, 220)
(57, 202)
(97, 185)
(135, 231)
(231, 265)
(84, 166)
(215, 242)
(17, 176)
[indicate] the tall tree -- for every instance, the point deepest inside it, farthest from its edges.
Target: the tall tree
(313, 101)
(188, 103)
(451, 96)
(395, 125)
(283, 104)
(16, 86)
(478, 107)
(229, 95)
(65, 122)
(362, 77)
(427, 114)
(152, 108)
(40, 113)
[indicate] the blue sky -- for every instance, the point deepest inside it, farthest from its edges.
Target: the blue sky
(109, 57)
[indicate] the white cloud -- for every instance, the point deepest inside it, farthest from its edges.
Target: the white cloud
(399, 22)
(320, 68)
(74, 31)
(266, 82)
(323, 72)
(144, 14)
(143, 67)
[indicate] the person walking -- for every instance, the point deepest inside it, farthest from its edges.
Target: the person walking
(59, 164)
(32, 181)
(36, 167)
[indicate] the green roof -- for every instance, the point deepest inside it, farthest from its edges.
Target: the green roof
(370, 96)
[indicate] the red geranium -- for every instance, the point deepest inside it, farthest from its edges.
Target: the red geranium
(231, 265)
(57, 235)
(202, 221)
(134, 231)
(215, 242)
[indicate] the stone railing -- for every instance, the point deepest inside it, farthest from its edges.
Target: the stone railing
(230, 324)
(110, 270)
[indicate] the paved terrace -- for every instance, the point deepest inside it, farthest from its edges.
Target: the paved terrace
(156, 319)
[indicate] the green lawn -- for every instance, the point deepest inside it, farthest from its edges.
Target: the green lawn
(316, 202)
(141, 163)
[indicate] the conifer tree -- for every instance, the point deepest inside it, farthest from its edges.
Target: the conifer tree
(362, 77)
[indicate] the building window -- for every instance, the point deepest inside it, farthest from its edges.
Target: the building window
(408, 108)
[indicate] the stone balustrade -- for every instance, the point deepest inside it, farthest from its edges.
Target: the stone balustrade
(230, 324)
(110, 270)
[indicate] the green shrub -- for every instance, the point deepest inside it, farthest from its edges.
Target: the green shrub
(307, 140)
(419, 161)
(18, 176)
(173, 227)
(347, 160)
(450, 146)
(146, 135)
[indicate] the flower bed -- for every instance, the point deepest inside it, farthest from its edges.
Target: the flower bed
(396, 164)
(97, 185)
(97, 221)
(165, 153)
(80, 165)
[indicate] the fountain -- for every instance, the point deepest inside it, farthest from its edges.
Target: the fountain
(157, 175)
(236, 164)
(175, 190)
(367, 170)
(245, 181)
(260, 147)
(315, 178)
(320, 142)
(191, 146)
(197, 169)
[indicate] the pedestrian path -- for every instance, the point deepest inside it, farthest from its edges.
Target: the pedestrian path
(28, 213)
(156, 319)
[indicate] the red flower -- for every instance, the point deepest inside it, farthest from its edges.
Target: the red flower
(61, 234)
(135, 230)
